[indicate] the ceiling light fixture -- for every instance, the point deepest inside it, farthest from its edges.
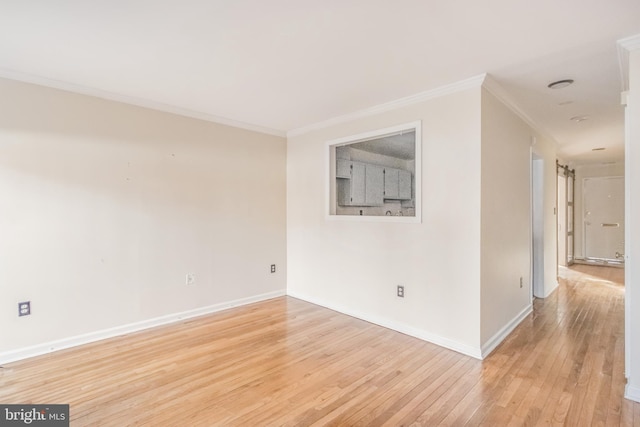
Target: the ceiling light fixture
(560, 84)
(579, 119)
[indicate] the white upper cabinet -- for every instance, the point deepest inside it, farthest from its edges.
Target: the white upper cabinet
(397, 184)
(343, 168)
(374, 188)
(391, 189)
(364, 185)
(404, 185)
(358, 184)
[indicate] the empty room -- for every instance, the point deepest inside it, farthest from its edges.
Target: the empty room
(279, 213)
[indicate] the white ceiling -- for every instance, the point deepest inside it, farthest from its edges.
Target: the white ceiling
(281, 65)
(401, 146)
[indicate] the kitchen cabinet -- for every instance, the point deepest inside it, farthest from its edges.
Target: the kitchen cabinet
(364, 187)
(397, 184)
(343, 168)
(374, 188)
(391, 189)
(404, 185)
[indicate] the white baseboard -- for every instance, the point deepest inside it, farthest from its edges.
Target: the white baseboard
(503, 333)
(48, 347)
(632, 393)
(396, 326)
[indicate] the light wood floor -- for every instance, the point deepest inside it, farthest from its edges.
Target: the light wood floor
(287, 362)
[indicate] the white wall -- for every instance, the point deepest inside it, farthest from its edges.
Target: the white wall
(582, 172)
(354, 267)
(545, 149)
(632, 235)
(506, 219)
(106, 207)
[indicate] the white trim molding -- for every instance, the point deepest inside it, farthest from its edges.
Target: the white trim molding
(503, 96)
(630, 43)
(48, 347)
(393, 105)
(632, 393)
(625, 46)
(138, 102)
(330, 174)
(393, 325)
(503, 333)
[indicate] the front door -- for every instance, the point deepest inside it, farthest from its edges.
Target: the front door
(604, 218)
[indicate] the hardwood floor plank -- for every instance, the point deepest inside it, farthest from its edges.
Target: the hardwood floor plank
(285, 362)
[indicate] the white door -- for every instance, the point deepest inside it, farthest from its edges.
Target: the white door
(603, 200)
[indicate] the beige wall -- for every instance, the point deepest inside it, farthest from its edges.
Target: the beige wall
(505, 217)
(354, 267)
(582, 172)
(106, 207)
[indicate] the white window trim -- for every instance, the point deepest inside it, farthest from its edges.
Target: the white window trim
(330, 174)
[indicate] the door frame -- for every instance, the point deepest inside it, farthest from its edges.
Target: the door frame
(537, 226)
(569, 202)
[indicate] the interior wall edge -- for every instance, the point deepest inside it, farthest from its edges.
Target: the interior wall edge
(493, 342)
(551, 290)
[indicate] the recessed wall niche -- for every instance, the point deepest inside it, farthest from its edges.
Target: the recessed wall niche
(376, 175)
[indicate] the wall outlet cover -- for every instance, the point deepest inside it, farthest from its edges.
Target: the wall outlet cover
(24, 308)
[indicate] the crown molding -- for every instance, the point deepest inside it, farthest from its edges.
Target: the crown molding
(503, 96)
(139, 102)
(625, 46)
(630, 43)
(393, 105)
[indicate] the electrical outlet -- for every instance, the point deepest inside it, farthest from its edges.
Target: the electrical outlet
(190, 279)
(521, 282)
(273, 268)
(24, 308)
(400, 292)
